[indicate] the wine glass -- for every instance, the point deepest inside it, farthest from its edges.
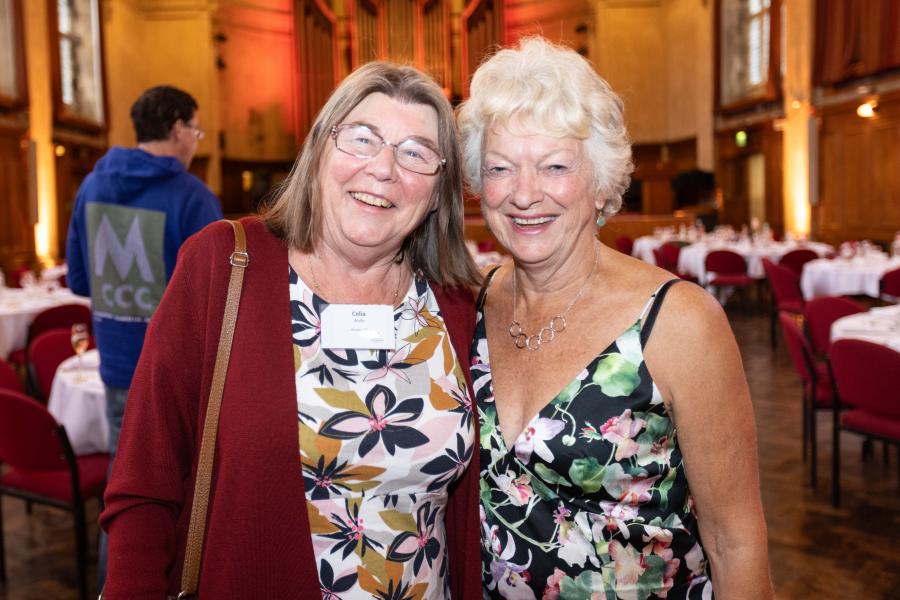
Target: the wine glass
(81, 339)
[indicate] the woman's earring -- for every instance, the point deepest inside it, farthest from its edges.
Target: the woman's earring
(601, 220)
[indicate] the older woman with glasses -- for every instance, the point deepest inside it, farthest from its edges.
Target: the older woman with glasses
(346, 426)
(618, 454)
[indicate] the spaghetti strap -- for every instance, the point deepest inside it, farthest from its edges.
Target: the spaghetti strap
(479, 304)
(651, 309)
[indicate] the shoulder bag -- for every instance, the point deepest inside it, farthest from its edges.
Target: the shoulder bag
(190, 573)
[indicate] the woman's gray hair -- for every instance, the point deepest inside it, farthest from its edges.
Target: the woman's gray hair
(437, 246)
(543, 88)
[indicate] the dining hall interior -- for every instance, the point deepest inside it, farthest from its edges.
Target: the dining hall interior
(765, 136)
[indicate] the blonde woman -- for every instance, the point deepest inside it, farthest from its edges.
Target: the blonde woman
(618, 450)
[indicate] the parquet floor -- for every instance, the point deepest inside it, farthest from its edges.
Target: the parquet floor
(816, 551)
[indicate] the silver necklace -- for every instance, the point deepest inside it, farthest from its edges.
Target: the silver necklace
(316, 285)
(556, 325)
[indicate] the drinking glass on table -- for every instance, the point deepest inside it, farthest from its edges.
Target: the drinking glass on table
(81, 339)
(28, 282)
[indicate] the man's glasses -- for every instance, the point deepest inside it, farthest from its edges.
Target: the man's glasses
(412, 154)
(198, 133)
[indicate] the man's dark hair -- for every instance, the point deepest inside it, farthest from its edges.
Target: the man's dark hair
(156, 111)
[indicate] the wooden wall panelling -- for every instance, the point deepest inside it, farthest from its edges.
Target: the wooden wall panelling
(17, 215)
(74, 161)
(859, 182)
(318, 60)
(656, 165)
(246, 184)
(773, 151)
(16, 218)
(17, 96)
(732, 177)
(656, 187)
(481, 30)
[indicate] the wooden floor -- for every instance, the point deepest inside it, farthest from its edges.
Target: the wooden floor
(816, 551)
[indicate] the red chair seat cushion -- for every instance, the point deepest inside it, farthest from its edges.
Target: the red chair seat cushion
(824, 389)
(57, 484)
(731, 279)
(868, 423)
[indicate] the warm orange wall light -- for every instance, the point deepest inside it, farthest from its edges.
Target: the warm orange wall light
(37, 55)
(799, 125)
(866, 110)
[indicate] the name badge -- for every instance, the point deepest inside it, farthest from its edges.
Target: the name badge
(358, 327)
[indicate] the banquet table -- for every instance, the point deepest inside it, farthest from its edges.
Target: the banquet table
(880, 325)
(692, 259)
(78, 402)
(845, 276)
(18, 308)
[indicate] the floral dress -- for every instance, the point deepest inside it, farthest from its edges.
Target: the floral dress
(592, 501)
(383, 433)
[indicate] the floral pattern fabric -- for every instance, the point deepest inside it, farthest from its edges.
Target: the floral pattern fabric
(383, 433)
(592, 501)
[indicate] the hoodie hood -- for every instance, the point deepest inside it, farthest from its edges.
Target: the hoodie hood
(126, 171)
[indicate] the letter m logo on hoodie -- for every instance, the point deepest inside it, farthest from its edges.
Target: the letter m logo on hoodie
(128, 271)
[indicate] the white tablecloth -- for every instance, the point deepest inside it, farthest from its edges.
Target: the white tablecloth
(880, 325)
(841, 276)
(78, 402)
(18, 309)
(693, 258)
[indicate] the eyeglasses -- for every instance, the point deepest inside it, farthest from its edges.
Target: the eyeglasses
(412, 153)
(198, 133)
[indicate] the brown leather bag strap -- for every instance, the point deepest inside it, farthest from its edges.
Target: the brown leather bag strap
(190, 573)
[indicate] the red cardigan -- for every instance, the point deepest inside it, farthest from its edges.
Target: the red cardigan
(258, 543)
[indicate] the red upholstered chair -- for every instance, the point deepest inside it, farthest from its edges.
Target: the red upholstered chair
(795, 259)
(42, 468)
(56, 317)
(890, 286)
(786, 294)
(9, 379)
(865, 375)
(818, 393)
(15, 277)
(725, 268)
(45, 354)
(667, 258)
(663, 261)
(624, 244)
(819, 314)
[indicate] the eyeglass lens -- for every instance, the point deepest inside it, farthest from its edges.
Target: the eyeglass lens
(411, 154)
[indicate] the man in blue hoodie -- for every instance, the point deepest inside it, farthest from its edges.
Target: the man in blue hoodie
(131, 215)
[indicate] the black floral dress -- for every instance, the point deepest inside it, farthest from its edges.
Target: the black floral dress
(592, 501)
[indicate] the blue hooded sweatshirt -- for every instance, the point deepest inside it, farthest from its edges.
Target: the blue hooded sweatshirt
(131, 215)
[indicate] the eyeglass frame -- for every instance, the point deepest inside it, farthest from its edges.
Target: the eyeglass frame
(197, 131)
(335, 129)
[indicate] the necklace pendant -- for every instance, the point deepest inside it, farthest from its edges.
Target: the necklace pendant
(515, 329)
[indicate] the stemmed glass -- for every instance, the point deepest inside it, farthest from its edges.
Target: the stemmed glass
(81, 339)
